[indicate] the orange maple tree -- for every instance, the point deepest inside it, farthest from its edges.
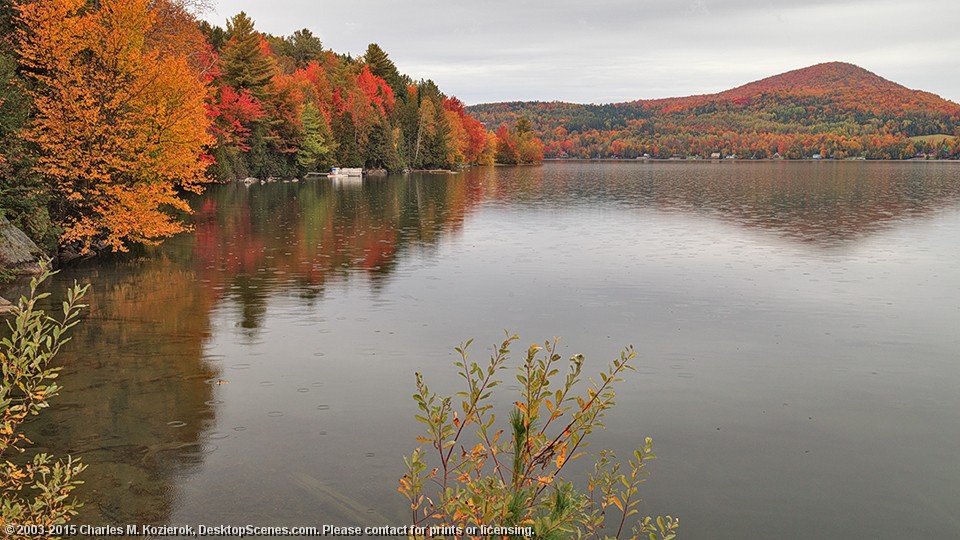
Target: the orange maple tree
(121, 119)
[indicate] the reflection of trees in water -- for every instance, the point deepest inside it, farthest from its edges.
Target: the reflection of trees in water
(826, 203)
(822, 203)
(303, 236)
(138, 398)
(136, 403)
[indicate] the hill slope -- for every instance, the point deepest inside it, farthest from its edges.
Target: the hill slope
(834, 109)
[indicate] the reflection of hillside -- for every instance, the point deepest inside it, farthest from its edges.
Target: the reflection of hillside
(305, 236)
(251, 240)
(511, 185)
(137, 394)
(821, 203)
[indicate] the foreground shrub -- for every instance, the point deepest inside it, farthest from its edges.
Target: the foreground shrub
(509, 486)
(34, 491)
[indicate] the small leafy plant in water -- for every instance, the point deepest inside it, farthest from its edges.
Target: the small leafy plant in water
(476, 480)
(34, 492)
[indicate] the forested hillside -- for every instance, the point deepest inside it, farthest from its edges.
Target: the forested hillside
(834, 110)
(285, 105)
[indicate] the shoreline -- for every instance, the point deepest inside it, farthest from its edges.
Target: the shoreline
(749, 160)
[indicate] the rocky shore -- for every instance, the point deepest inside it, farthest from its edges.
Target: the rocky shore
(18, 255)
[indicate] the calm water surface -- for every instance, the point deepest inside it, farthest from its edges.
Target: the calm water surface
(797, 325)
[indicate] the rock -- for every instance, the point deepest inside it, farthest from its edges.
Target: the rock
(67, 255)
(18, 253)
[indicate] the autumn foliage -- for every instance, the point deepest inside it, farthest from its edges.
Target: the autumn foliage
(287, 106)
(121, 117)
(34, 490)
(834, 110)
(474, 473)
(136, 102)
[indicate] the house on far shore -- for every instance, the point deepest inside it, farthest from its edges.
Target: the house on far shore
(715, 155)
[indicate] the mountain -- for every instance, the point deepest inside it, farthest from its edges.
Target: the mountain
(845, 86)
(833, 109)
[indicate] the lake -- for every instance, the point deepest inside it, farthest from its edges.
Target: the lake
(797, 324)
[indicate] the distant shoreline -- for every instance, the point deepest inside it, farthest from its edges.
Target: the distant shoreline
(749, 160)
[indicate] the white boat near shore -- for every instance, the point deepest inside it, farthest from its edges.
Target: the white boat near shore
(339, 172)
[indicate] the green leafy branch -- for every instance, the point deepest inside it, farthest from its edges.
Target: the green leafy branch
(517, 482)
(28, 382)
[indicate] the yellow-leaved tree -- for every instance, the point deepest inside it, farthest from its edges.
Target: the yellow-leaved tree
(120, 124)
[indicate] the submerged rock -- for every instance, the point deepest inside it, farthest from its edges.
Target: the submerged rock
(18, 254)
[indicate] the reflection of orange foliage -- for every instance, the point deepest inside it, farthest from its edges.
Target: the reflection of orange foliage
(139, 388)
(229, 244)
(312, 232)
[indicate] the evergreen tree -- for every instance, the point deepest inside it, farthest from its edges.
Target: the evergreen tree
(243, 63)
(435, 152)
(382, 149)
(408, 118)
(381, 66)
(216, 36)
(303, 47)
(430, 148)
(348, 152)
(317, 146)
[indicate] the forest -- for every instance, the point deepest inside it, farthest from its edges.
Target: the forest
(113, 110)
(832, 110)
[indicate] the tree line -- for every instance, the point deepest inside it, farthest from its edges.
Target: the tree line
(833, 110)
(110, 110)
(606, 131)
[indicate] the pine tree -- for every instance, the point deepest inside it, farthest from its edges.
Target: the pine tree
(216, 36)
(348, 152)
(381, 66)
(382, 149)
(243, 63)
(303, 47)
(317, 146)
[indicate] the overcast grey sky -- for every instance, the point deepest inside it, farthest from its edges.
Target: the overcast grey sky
(604, 51)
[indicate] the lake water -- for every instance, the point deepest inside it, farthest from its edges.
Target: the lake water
(798, 330)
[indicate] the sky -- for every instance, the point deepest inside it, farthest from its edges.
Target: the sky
(604, 51)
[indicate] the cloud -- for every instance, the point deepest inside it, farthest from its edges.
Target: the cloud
(616, 50)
